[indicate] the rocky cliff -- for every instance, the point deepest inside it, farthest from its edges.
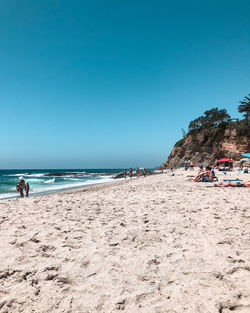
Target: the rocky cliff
(206, 148)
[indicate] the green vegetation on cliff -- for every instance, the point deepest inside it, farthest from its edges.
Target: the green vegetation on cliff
(213, 135)
(216, 120)
(244, 107)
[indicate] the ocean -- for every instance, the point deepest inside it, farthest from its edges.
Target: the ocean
(46, 181)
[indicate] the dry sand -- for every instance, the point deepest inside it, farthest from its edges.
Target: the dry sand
(154, 244)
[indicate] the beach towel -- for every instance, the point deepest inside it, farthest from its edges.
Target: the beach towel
(237, 179)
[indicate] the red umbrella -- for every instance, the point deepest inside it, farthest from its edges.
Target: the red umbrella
(224, 160)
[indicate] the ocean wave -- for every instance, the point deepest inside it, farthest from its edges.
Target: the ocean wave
(25, 175)
(49, 181)
(69, 186)
(34, 180)
(42, 175)
(15, 175)
(35, 175)
(7, 195)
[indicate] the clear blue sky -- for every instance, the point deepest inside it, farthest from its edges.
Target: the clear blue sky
(100, 84)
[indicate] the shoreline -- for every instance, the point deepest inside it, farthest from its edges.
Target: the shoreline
(59, 190)
(51, 180)
(82, 186)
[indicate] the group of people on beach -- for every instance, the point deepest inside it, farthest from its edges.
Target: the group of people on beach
(21, 186)
(209, 176)
(188, 165)
(206, 176)
(138, 173)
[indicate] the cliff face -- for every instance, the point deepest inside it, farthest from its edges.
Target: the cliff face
(207, 148)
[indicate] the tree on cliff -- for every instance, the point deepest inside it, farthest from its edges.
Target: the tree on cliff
(244, 107)
(211, 119)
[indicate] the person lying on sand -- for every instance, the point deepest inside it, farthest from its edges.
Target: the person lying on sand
(233, 184)
(206, 176)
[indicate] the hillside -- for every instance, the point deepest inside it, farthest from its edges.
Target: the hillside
(210, 137)
(202, 148)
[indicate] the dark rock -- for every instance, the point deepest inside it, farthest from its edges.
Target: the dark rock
(120, 175)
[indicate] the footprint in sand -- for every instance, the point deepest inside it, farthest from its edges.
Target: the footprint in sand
(45, 248)
(120, 305)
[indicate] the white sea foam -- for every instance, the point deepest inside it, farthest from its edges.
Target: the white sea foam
(49, 181)
(34, 180)
(16, 175)
(35, 175)
(8, 195)
(51, 186)
(69, 186)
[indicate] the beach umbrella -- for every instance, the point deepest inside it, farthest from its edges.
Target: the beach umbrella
(224, 160)
(247, 155)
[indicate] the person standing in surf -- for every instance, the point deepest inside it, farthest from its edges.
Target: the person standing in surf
(27, 189)
(130, 173)
(21, 186)
(137, 172)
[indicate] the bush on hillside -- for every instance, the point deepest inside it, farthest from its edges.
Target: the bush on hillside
(211, 119)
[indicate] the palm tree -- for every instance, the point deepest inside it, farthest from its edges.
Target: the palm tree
(244, 107)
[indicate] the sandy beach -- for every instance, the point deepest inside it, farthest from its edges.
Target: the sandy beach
(154, 244)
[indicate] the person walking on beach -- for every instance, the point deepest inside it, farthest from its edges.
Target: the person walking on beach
(125, 173)
(27, 189)
(185, 165)
(21, 186)
(191, 166)
(143, 171)
(137, 172)
(130, 173)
